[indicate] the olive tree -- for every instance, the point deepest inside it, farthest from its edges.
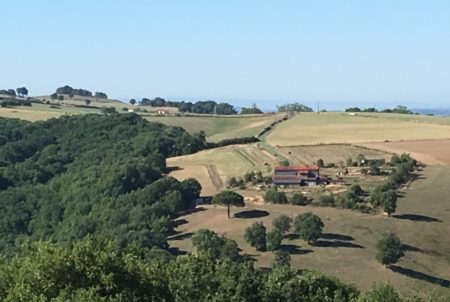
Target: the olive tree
(308, 226)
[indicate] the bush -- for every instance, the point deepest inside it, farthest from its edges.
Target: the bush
(206, 241)
(274, 196)
(299, 199)
(327, 200)
(284, 163)
(356, 189)
(389, 249)
(320, 163)
(282, 258)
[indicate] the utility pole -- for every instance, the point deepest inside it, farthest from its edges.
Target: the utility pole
(318, 107)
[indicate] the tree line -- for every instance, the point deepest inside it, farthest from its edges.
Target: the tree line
(399, 109)
(80, 92)
(202, 107)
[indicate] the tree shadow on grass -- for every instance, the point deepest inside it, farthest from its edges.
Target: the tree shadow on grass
(420, 276)
(292, 236)
(179, 222)
(415, 217)
(332, 236)
(410, 248)
(251, 214)
(294, 249)
(181, 236)
(176, 251)
(337, 243)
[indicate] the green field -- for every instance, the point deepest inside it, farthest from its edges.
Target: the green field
(328, 128)
(219, 127)
(348, 250)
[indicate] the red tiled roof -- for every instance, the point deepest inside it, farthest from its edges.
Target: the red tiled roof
(296, 168)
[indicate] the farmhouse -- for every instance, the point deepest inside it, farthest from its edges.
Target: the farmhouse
(302, 176)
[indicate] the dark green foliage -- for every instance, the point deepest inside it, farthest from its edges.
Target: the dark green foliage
(355, 189)
(327, 200)
(11, 102)
(69, 90)
(206, 241)
(255, 235)
(353, 109)
(282, 223)
(94, 270)
(107, 110)
(308, 226)
(133, 102)
(299, 199)
(380, 292)
(282, 258)
(294, 107)
(204, 107)
(252, 110)
(389, 249)
(320, 163)
(272, 195)
(101, 95)
(73, 176)
(232, 141)
(22, 91)
(284, 163)
(229, 198)
(273, 239)
(389, 201)
(375, 169)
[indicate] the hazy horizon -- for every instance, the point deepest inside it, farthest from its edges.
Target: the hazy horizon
(344, 54)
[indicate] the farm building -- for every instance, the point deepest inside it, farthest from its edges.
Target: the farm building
(302, 176)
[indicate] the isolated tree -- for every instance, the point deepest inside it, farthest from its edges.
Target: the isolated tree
(22, 91)
(320, 163)
(87, 101)
(60, 97)
(282, 258)
(282, 223)
(54, 96)
(255, 235)
(229, 198)
(389, 249)
(273, 239)
(308, 226)
(132, 102)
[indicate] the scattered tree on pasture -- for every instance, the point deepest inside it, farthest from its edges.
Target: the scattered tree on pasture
(389, 249)
(229, 198)
(282, 223)
(282, 258)
(273, 239)
(255, 235)
(308, 226)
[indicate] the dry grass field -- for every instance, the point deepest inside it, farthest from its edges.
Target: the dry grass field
(431, 152)
(329, 128)
(219, 127)
(347, 249)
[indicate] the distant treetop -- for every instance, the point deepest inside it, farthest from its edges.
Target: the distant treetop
(294, 107)
(81, 92)
(398, 109)
(202, 107)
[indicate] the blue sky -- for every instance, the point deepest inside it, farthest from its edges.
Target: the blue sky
(367, 53)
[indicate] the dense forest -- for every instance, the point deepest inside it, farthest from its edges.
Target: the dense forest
(202, 107)
(66, 178)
